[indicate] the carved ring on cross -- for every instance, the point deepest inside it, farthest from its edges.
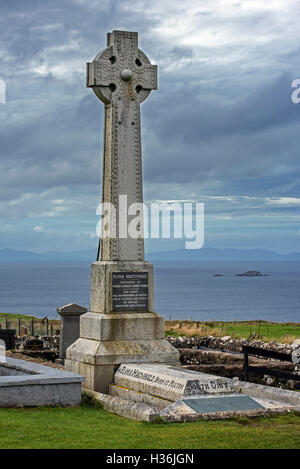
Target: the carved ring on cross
(122, 71)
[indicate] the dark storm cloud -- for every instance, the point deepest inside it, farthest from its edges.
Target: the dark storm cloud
(253, 136)
(192, 118)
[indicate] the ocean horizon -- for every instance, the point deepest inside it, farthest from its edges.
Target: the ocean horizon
(183, 289)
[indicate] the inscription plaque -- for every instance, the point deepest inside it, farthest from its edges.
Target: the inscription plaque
(130, 291)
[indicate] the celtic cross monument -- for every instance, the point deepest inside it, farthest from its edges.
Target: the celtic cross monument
(121, 326)
(122, 77)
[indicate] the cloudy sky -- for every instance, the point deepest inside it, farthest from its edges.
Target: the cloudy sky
(221, 129)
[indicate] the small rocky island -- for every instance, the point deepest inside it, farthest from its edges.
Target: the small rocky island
(218, 275)
(252, 273)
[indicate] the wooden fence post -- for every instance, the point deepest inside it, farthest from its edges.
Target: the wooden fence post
(246, 362)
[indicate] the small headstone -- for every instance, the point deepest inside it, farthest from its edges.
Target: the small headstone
(8, 336)
(2, 351)
(24, 330)
(69, 326)
(33, 344)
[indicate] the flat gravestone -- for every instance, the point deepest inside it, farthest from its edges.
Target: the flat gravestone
(218, 407)
(169, 382)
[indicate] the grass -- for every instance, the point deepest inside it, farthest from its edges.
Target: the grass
(91, 427)
(284, 332)
(11, 316)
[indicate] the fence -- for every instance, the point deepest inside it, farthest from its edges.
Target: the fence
(263, 370)
(31, 327)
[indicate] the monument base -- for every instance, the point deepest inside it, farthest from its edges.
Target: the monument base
(107, 340)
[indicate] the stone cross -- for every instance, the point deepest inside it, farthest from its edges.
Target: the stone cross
(121, 325)
(122, 77)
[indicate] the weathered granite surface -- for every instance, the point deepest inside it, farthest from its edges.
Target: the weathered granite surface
(111, 353)
(125, 408)
(122, 326)
(137, 396)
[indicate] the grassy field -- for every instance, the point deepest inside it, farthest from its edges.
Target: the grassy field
(11, 316)
(267, 331)
(90, 427)
(23, 317)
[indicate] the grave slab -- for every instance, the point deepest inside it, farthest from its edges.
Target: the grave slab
(220, 407)
(169, 382)
(222, 403)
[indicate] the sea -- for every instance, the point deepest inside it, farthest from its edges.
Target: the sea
(183, 289)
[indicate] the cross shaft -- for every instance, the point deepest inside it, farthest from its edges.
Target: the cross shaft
(122, 77)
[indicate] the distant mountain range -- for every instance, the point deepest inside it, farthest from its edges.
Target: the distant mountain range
(16, 255)
(204, 254)
(226, 254)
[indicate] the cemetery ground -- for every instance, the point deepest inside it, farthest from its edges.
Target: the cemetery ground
(91, 427)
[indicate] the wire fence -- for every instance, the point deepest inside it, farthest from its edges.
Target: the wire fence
(32, 326)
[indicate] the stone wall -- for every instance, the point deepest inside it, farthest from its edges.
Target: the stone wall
(227, 344)
(223, 356)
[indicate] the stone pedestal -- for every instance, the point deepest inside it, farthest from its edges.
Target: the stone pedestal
(109, 338)
(69, 326)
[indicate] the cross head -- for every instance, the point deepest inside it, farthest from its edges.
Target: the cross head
(122, 71)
